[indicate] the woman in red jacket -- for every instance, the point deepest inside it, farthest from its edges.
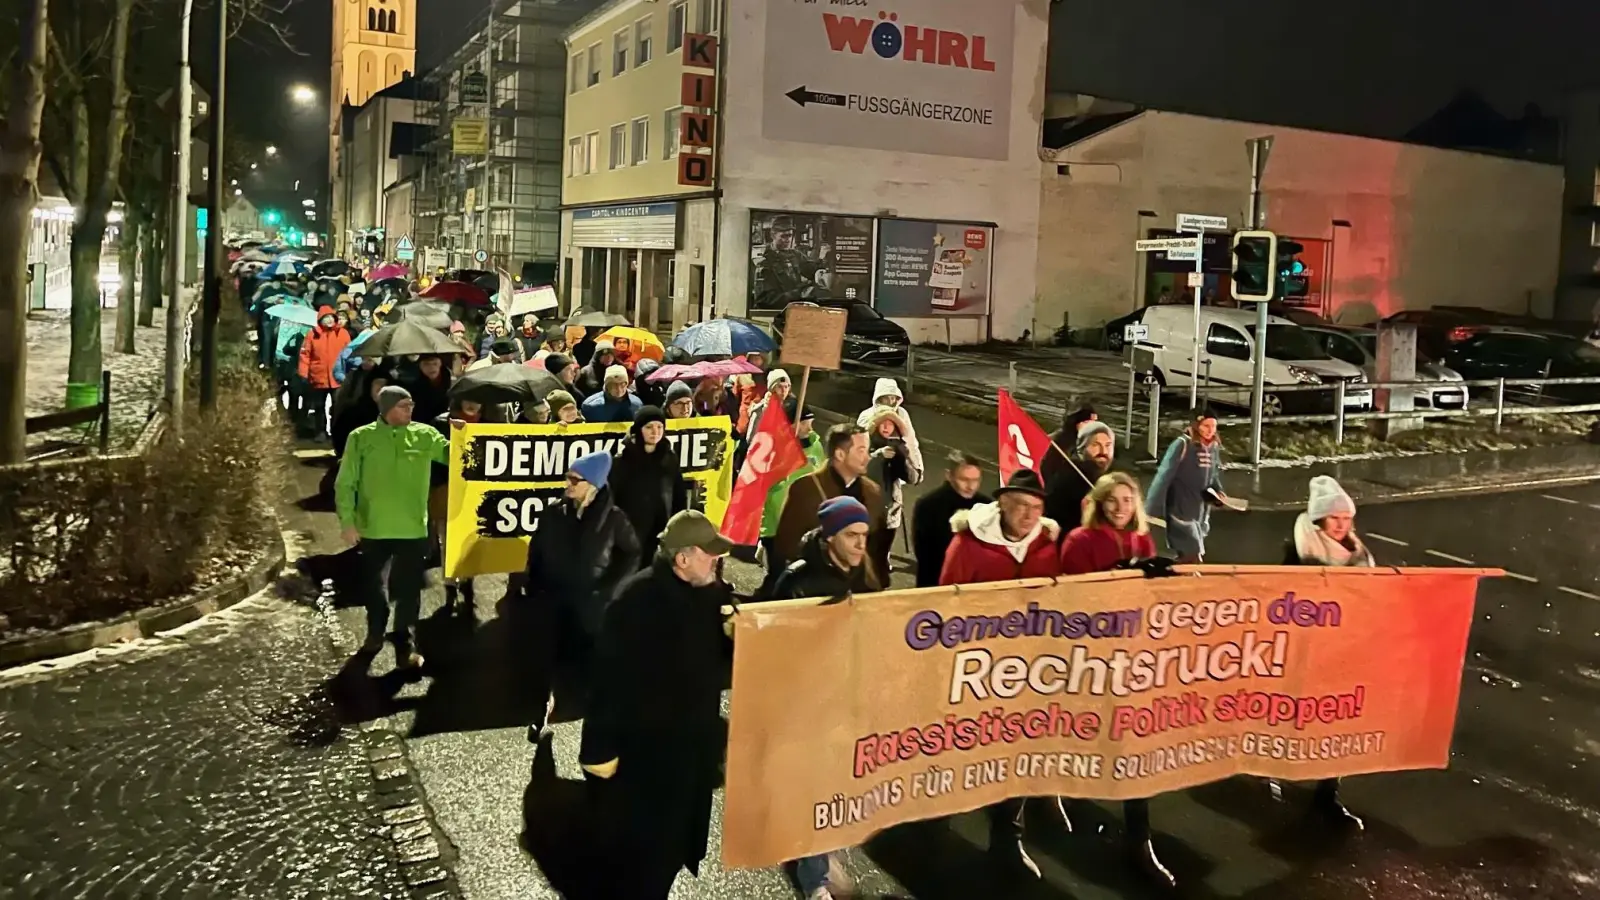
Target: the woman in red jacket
(318, 354)
(1115, 531)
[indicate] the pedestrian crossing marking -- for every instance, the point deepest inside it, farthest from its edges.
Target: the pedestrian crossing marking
(1577, 593)
(1521, 577)
(1447, 556)
(1559, 499)
(1388, 540)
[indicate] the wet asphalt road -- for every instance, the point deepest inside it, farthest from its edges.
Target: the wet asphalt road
(1516, 816)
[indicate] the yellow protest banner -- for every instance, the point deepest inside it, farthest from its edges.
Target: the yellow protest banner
(850, 718)
(503, 476)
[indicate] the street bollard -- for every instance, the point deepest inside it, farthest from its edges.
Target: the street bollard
(1338, 412)
(1499, 403)
(1154, 441)
(911, 371)
(1206, 385)
(1133, 388)
(1011, 375)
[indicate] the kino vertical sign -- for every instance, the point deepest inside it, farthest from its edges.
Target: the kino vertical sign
(697, 125)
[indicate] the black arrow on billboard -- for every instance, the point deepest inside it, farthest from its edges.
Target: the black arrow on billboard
(803, 96)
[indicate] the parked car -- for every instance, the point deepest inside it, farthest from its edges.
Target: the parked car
(1440, 328)
(1359, 347)
(868, 336)
(1116, 328)
(1293, 357)
(1523, 354)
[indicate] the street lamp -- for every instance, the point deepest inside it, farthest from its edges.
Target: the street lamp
(272, 150)
(303, 94)
(308, 202)
(253, 167)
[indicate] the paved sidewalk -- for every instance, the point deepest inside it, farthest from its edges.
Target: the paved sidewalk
(136, 380)
(203, 763)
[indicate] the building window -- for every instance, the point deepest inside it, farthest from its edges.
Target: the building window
(372, 19)
(575, 82)
(704, 14)
(619, 53)
(1594, 234)
(619, 146)
(641, 42)
(390, 28)
(677, 23)
(641, 141)
(591, 151)
(673, 120)
(594, 65)
(575, 157)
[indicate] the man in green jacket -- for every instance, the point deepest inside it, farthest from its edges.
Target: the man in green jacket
(382, 498)
(773, 511)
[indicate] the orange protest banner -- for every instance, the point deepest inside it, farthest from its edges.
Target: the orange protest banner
(888, 708)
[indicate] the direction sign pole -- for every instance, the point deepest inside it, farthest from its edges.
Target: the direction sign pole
(1194, 367)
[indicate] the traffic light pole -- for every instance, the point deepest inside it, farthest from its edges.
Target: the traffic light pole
(1258, 162)
(216, 254)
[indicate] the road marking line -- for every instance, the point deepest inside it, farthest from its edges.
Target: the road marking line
(1577, 593)
(1559, 499)
(1388, 540)
(1521, 577)
(1454, 559)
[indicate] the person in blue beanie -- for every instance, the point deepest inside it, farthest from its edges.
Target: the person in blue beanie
(583, 549)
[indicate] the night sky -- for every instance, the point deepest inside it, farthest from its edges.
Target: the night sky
(1365, 66)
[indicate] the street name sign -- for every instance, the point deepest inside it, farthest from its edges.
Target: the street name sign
(1168, 244)
(1197, 222)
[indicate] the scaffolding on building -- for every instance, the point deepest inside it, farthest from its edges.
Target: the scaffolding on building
(516, 186)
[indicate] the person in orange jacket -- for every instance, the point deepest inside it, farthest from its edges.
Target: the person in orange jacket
(318, 354)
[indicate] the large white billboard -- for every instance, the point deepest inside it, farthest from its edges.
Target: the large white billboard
(921, 76)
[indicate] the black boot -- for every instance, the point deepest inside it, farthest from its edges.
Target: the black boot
(469, 597)
(1141, 852)
(1326, 803)
(450, 591)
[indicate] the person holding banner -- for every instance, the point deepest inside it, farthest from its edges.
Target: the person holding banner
(647, 479)
(614, 402)
(679, 401)
(1008, 539)
(653, 737)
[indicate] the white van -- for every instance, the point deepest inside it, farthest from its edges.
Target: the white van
(1227, 353)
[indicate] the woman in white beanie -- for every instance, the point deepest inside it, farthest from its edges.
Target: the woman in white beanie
(1325, 535)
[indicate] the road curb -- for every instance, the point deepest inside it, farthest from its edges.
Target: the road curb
(261, 572)
(423, 851)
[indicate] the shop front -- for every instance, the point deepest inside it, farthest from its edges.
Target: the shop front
(622, 260)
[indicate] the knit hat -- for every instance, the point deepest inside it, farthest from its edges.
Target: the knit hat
(556, 363)
(617, 373)
(1328, 499)
(594, 468)
(558, 401)
(839, 513)
(777, 377)
(1088, 430)
(389, 396)
(604, 344)
(645, 416)
(679, 390)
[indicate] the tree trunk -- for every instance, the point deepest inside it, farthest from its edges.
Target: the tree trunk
(85, 362)
(151, 260)
(128, 273)
(19, 170)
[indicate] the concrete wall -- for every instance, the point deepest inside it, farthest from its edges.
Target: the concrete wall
(763, 174)
(1427, 227)
(1580, 249)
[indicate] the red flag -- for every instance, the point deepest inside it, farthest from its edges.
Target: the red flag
(1023, 443)
(773, 455)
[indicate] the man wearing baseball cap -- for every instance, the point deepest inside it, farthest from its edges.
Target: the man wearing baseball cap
(652, 736)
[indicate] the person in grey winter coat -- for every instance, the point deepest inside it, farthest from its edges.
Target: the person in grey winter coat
(1187, 484)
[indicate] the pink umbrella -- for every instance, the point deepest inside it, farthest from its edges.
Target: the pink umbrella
(390, 270)
(722, 369)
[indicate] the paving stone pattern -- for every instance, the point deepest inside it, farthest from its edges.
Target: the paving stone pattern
(206, 764)
(136, 379)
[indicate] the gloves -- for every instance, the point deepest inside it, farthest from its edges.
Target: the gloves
(1155, 567)
(602, 770)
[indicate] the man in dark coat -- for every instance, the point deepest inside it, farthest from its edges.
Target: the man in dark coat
(845, 475)
(652, 737)
(647, 480)
(1092, 457)
(930, 517)
(583, 549)
(592, 378)
(1066, 439)
(833, 560)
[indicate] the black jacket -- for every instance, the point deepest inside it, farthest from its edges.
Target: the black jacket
(592, 379)
(656, 708)
(578, 561)
(648, 488)
(930, 529)
(814, 574)
(431, 398)
(1066, 491)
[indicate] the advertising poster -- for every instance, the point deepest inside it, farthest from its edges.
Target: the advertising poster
(917, 76)
(503, 476)
(808, 256)
(933, 268)
(912, 705)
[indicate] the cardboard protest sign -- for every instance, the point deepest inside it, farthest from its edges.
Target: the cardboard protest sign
(909, 705)
(503, 476)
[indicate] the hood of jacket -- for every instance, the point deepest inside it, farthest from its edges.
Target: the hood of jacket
(886, 387)
(983, 521)
(323, 311)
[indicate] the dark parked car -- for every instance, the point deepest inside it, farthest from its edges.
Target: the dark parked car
(1440, 328)
(868, 336)
(1523, 354)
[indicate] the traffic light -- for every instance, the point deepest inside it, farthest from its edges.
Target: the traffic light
(272, 217)
(1255, 256)
(1293, 278)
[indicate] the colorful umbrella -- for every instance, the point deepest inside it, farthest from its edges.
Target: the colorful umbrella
(633, 344)
(283, 268)
(724, 337)
(390, 270)
(458, 292)
(589, 318)
(296, 313)
(722, 369)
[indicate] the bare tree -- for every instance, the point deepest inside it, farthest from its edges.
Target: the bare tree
(20, 150)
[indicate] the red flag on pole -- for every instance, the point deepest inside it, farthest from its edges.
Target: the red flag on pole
(773, 455)
(1023, 443)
